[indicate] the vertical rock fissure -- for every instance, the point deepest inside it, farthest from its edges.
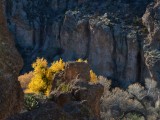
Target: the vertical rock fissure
(126, 57)
(114, 55)
(89, 41)
(140, 63)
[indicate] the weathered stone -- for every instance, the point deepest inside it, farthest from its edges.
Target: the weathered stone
(58, 77)
(89, 92)
(82, 96)
(11, 95)
(79, 70)
(62, 98)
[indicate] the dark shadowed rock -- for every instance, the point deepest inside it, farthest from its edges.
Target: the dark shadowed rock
(48, 111)
(79, 92)
(90, 92)
(11, 95)
(80, 110)
(62, 98)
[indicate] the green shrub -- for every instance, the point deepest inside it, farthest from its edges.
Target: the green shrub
(30, 102)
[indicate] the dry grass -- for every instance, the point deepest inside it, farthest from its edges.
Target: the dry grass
(25, 79)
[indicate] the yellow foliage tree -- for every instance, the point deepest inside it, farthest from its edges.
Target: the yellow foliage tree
(81, 60)
(43, 75)
(39, 82)
(93, 76)
(57, 66)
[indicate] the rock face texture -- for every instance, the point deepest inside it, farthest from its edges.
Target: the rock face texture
(108, 33)
(79, 70)
(11, 95)
(82, 101)
(151, 20)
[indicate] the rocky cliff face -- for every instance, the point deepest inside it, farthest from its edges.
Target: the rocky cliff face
(151, 19)
(11, 96)
(109, 33)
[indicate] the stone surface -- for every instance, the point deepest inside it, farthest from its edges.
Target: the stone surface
(80, 110)
(79, 70)
(89, 92)
(11, 95)
(82, 97)
(75, 94)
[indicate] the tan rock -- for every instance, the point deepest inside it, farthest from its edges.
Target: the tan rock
(79, 70)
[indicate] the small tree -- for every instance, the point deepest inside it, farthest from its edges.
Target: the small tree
(43, 75)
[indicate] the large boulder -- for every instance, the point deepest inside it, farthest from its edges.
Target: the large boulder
(73, 70)
(11, 95)
(81, 96)
(76, 92)
(90, 92)
(79, 70)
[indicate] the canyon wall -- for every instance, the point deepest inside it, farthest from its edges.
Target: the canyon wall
(108, 33)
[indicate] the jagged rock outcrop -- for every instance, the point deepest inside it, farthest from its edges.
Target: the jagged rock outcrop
(105, 32)
(76, 95)
(11, 95)
(83, 96)
(151, 20)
